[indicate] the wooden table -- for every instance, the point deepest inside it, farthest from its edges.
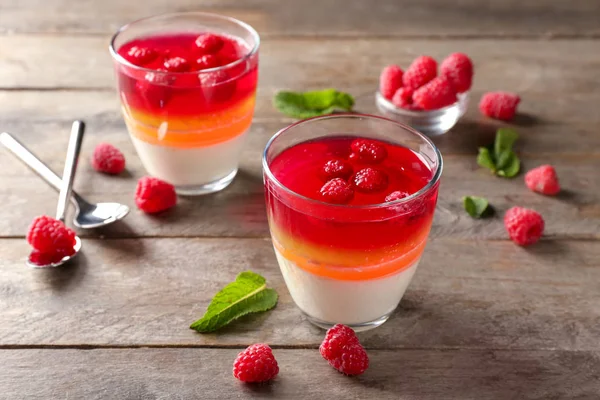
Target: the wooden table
(483, 319)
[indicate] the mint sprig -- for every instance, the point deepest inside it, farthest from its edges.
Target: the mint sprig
(247, 294)
(313, 103)
(500, 158)
(476, 207)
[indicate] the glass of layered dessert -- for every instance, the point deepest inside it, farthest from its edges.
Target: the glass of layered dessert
(187, 85)
(350, 202)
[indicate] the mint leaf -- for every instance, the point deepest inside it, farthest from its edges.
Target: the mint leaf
(505, 139)
(485, 160)
(311, 104)
(475, 206)
(248, 294)
(511, 167)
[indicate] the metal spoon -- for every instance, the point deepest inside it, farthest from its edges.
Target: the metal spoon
(87, 215)
(67, 187)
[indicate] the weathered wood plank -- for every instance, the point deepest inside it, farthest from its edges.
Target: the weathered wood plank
(489, 295)
(206, 374)
(324, 17)
(240, 210)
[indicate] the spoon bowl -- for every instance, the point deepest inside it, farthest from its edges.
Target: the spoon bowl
(88, 215)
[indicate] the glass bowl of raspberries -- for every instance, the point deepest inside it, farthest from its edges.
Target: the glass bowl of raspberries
(425, 97)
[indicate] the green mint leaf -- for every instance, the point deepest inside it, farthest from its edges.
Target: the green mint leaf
(475, 206)
(485, 159)
(505, 139)
(248, 294)
(511, 167)
(311, 104)
(504, 159)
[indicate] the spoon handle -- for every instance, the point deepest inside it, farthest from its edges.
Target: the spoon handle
(68, 177)
(34, 163)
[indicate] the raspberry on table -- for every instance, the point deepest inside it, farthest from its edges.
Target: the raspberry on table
(370, 180)
(256, 364)
(397, 195)
(337, 191)
(141, 56)
(458, 68)
(108, 159)
(177, 64)
(368, 151)
(390, 81)
(153, 195)
(49, 235)
(337, 168)
(207, 61)
(403, 98)
(209, 43)
(422, 70)
(543, 180)
(524, 226)
(499, 105)
(342, 349)
(436, 94)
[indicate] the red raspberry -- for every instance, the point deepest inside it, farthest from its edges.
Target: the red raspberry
(108, 159)
(543, 180)
(397, 195)
(217, 85)
(207, 61)
(524, 226)
(458, 68)
(209, 43)
(49, 235)
(153, 195)
(177, 64)
(38, 258)
(368, 151)
(337, 191)
(154, 94)
(141, 56)
(403, 98)
(337, 168)
(422, 70)
(499, 105)
(343, 351)
(390, 81)
(255, 364)
(370, 180)
(436, 94)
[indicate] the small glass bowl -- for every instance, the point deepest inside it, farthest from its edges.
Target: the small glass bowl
(430, 123)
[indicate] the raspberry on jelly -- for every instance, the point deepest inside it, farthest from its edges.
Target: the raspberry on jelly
(153, 195)
(209, 43)
(141, 56)
(217, 85)
(337, 191)
(177, 64)
(397, 195)
(207, 61)
(255, 364)
(370, 180)
(368, 151)
(337, 168)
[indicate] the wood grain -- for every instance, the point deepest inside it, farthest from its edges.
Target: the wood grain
(474, 295)
(206, 374)
(436, 18)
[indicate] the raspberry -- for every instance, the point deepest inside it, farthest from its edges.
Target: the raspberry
(403, 98)
(217, 85)
(436, 94)
(397, 195)
(337, 191)
(154, 94)
(458, 68)
(153, 195)
(543, 180)
(141, 56)
(177, 64)
(108, 159)
(39, 258)
(343, 351)
(49, 235)
(337, 168)
(209, 43)
(524, 226)
(422, 70)
(370, 180)
(368, 151)
(255, 364)
(499, 105)
(390, 81)
(207, 61)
